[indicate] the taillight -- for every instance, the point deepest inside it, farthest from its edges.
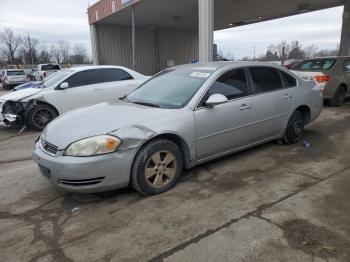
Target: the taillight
(5, 77)
(44, 74)
(322, 79)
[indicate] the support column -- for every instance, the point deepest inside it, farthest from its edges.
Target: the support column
(206, 30)
(344, 48)
(94, 45)
(133, 41)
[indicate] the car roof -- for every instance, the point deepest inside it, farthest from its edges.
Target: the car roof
(84, 68)
(213, 66)
(327, 57)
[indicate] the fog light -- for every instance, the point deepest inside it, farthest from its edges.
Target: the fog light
(10, 117)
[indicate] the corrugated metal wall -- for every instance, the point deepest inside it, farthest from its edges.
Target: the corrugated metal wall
(153, 48)
(177, 45)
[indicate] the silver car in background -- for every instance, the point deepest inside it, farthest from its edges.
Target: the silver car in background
(13, 77)
(182, 117)
(331, 73)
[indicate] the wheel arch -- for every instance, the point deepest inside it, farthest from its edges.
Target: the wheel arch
(306, 112)
(179, 141)
(32, 103)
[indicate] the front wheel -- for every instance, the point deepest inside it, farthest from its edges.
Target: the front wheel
(295, 129)
(157, 167)
(40, 116)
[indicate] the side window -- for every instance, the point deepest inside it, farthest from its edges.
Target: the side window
(346, 66)
(265, 79)
(84, 78)
(232, 84)
(288, 80)
(112, 75)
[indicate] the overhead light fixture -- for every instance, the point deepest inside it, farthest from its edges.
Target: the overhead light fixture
(260, 17)
(230, 24)
(303, 8)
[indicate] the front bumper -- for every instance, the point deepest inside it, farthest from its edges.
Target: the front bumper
(85, 174)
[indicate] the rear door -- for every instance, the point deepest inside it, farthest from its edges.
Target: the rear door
(272, 102)
(116, 83)
(83, 90)
(226, 127)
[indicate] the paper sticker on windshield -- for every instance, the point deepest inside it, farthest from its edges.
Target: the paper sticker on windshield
(199, 74)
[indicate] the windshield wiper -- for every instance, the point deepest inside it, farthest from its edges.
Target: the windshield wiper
(146, 104)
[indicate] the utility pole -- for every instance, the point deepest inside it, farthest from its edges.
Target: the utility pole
(254, 53)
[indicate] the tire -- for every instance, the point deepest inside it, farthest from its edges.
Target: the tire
(295, 129)
(6, 87)
(150, 174)
(339, 97)
(40, 116)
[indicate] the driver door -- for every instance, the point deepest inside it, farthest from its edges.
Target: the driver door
(83, 90)
(226, 127)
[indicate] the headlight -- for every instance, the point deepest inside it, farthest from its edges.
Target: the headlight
(93, 146)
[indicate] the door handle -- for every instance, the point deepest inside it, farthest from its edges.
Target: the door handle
(245, 107)
(97, 89)
(287, 97)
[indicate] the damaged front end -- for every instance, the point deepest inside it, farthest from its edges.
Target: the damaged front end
(12, 113)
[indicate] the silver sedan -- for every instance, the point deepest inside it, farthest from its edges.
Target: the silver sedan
(182, 117)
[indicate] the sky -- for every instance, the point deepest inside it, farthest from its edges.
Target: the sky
(52, 20)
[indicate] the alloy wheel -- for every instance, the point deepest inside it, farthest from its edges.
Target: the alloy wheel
(160, 169)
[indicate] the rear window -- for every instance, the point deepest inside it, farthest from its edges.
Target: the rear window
(50, 67)
(315, 65)
(16, 73)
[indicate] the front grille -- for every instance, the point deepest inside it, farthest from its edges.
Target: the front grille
(48, 147)
(45, 171)
(82, 182)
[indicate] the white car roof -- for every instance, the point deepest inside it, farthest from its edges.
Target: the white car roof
(83, 68)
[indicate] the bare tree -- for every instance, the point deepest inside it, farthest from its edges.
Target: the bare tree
(296, 51)
(310, 51)
(55, 54)
(31, 50)
(10, 44)
(64, 48)
(44, 55)
(79, 54)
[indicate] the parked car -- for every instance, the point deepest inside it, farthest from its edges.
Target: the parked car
(182, 117)
(44, 70)
(65, 91)
(331, 73)
(290, 64)
(13, 77)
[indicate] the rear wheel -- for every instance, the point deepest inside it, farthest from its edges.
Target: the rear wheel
(157, 167)
(295, 129)
(6, 87)
(339, 97)
(40, 116)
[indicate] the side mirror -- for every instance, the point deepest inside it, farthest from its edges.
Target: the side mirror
(216, 99)
(64, 85)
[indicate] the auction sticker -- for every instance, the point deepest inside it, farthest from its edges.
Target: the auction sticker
(200, 74)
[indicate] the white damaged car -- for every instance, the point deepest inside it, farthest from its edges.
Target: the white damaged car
(67, 90)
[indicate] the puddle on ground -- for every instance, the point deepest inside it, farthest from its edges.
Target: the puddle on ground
(315, 240)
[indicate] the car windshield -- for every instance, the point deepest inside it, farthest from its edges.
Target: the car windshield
(50, 67)
(16, 73)
(315, 65)
(55, 78)
(172, 88)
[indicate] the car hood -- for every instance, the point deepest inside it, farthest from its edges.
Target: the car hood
(20, 94)
(96, 120)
